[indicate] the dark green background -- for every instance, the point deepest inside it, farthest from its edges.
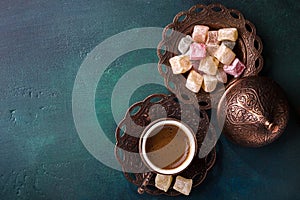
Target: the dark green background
(42, 45)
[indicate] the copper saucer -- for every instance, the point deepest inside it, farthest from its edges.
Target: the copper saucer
(248, 48)
(138, 117)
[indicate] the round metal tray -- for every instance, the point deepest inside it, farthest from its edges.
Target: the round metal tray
(138, 117)
(248, 47)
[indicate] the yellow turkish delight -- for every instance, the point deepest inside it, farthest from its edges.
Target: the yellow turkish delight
(163, 182)
(194, 81)
(227, 34)
(224, 54)
(180, 64)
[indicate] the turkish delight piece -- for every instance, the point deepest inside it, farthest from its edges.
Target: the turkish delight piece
(227, 34)
(194, 81)
(163, 182)
(235, 69)
(198, 51)
(221, 75)
(183, 185)
(180, 64)
(211, 48)
(200, 33)
(212, 38)
(184, 44)
(224, 54)
(209, 65)
(229, 44)
(209, 83)
(188, 53)
(195, 64)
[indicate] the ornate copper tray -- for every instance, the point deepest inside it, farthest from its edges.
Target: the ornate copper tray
(248, 48)
(138, 117)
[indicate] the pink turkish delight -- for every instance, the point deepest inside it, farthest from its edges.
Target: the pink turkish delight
(198, 51)
(235, 69)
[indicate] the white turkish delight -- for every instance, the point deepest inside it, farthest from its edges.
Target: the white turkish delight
(209, 83)
(183, 185)
(209, 65)
(184, 44)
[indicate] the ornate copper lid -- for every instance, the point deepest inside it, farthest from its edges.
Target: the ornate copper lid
(256, 111)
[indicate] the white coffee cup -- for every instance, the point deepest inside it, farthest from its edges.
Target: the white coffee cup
(167, 146)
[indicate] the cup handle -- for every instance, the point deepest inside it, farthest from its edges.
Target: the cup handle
(141, 189)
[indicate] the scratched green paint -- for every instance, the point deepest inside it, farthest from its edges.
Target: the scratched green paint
(42, 45)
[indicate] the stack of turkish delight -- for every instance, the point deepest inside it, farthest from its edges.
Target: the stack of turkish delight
(207, 56)
(182, 185)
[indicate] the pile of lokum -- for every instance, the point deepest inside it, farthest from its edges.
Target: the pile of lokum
(207, 56)
(182, 185)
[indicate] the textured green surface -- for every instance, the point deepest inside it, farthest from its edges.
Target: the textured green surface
(42, 45)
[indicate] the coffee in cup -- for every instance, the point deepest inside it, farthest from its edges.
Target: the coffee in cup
(167, 146)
